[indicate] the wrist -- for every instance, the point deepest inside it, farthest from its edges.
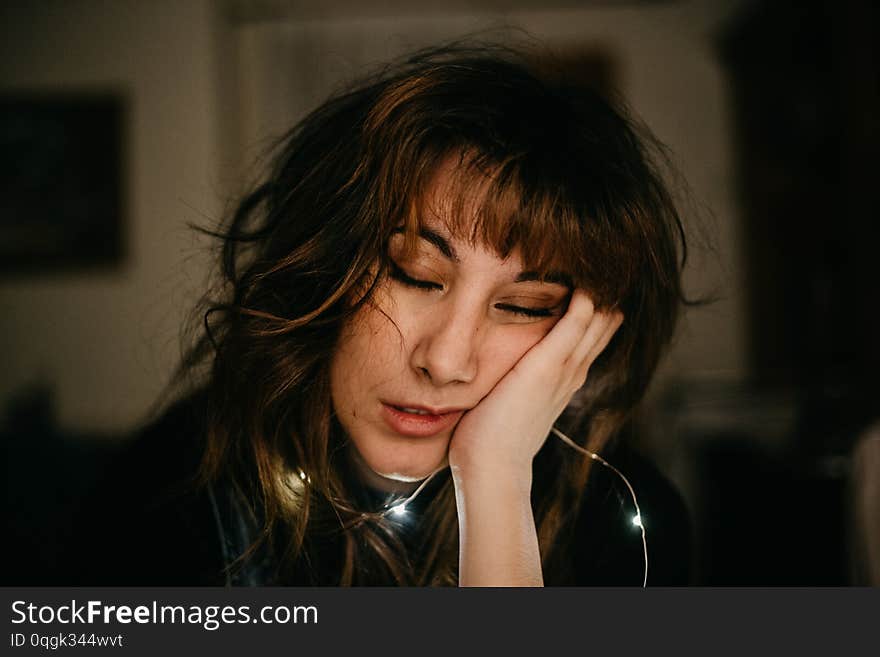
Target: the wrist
(470, 458)
(498, 545)
(497, 478)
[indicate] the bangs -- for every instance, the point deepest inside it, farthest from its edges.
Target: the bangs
(502, 207)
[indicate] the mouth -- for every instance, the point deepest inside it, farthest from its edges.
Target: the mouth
(419, 421)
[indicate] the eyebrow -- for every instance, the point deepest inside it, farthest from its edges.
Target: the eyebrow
(556, 277)
(443, 245)
(440, 242)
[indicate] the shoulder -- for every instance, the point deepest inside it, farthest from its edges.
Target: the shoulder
(608, 543)
(147, 523)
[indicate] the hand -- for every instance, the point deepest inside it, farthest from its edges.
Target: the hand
(506, 429)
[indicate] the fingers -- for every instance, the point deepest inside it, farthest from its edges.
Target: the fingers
(564, 338)
(574, 343)
(548, 361)
(602, 329)
(594, 330)
(577, 333)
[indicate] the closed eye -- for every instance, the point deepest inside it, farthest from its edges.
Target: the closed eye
(525, 312)
(402, 277)
(399, 275)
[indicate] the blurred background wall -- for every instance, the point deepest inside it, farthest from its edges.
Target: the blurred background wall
(103, 339)
(206, 84)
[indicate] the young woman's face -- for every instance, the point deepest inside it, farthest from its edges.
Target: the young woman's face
(448, 323)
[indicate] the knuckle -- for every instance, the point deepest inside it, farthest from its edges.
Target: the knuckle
(580, 380)
(582, 305)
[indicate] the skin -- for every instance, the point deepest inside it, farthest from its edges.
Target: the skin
(448, 330)
(499, 545)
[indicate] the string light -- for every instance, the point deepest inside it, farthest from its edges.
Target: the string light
(399, 509)
(637, 519)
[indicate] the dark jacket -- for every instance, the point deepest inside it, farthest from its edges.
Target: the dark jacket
(146, 524)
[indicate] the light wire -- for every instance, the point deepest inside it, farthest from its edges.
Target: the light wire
(568, 441)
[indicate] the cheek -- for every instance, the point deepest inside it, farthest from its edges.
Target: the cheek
(505, 345)
(368, 353)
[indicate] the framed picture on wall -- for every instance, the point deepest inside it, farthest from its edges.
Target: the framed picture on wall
(61, 181)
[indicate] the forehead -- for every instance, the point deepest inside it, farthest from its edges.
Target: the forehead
(466, 206)
(455, 193)
(435, 238)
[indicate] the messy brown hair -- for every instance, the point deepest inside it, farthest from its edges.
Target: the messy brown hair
(565, 177)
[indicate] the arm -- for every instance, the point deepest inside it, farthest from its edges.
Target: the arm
(492, 449)
(498, 543)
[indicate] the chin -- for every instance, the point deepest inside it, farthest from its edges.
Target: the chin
(400, 465)
(403, 477)
(408, 472)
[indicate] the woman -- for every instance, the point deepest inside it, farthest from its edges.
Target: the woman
(441, 261)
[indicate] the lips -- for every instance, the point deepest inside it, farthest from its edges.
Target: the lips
(419, 421)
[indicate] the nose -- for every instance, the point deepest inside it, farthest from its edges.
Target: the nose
(447, 345)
